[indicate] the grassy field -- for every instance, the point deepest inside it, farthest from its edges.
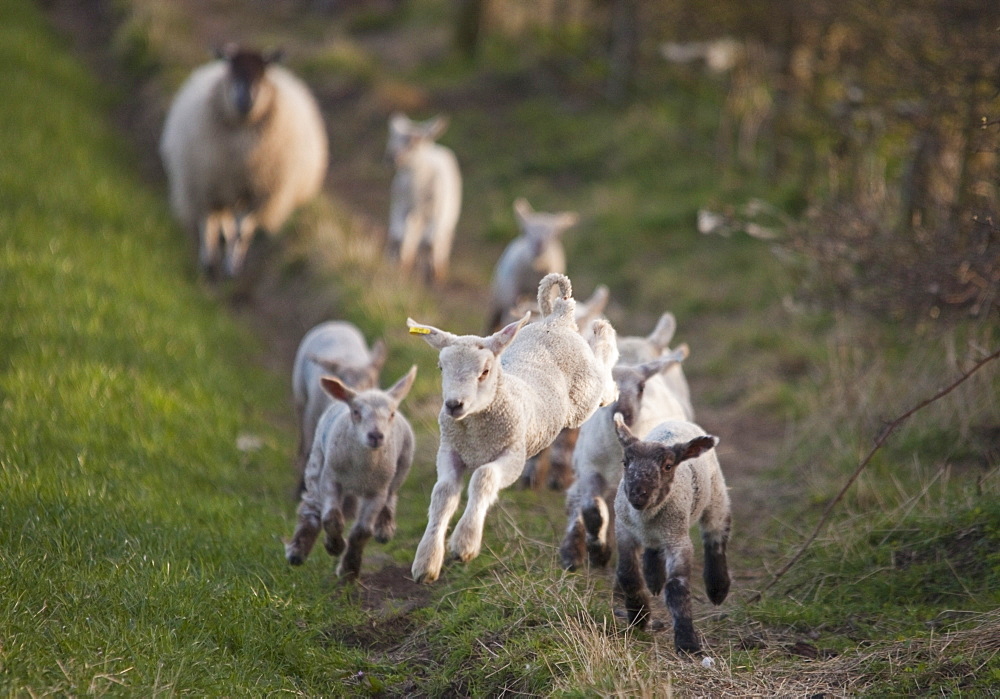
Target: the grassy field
(146, 436)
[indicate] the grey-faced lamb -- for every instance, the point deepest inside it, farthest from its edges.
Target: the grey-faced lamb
(506, 397)
(537, 251)
(243, 145)
(670, 479)
(334, 348)
(597, 459)
(361, 454)
(426, 194)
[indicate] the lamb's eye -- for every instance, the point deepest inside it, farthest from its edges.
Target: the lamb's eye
(439, 366)
(356, 414)
(392, 415)
(485, 373)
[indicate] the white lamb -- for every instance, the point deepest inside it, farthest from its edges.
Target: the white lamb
(537, 251)
(243, 145)
(506, 397)
(334, 348)
(426, 195)
(671, 479)
(360, 457)
(597, 458)
(637, 349)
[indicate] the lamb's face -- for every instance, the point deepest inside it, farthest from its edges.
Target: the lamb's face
(372, 417)
(541, 228)
(631, 386)
(403, 138)
(247, 91)
(468, 378)
(648, 473)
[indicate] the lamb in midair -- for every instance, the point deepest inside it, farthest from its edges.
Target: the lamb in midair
(334, 348)
(536, 252)
(243, 145)
(426, 194)
(361, 454)
(506, 397)
(671, 479)
(597, 458)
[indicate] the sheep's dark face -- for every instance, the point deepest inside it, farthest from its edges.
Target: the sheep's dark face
(246, 76)
(648, 473)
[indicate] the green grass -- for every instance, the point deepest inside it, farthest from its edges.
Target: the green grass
(140, 548)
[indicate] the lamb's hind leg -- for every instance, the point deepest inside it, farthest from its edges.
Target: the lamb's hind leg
(629, 580)
(597, 519)
(361, 532)
(484, 486)
(604, 345)
(715, 536)
(307, 529)
(444, 501)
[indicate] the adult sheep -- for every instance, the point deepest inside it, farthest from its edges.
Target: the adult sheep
(243, 145)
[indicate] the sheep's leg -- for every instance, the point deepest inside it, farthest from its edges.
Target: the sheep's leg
(385, 522)
(307, 529)
(532, 471)
(444, 501)
(561, 459)
(361, 532)
(678, 596)
(208, 250)
(654, 570)
(596, 519)
(485, 485)
(629, 579)
(410, 243)
(237, 248)
(573, 546)
(333, 520)
(398, 211)
(715, 536)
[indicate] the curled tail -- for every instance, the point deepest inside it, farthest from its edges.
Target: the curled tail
(563, 305)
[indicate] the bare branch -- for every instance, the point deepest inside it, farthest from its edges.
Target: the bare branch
(880, 439)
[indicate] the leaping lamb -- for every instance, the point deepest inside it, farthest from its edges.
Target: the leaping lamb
(243, 145)
(505, 398)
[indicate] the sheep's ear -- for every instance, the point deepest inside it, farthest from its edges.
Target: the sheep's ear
(661, 364)
(695, 448)
(336, 388)
(625, 436)
(498, 341)
(436, 126)
(328, 365)
(379, 353)
(402, 387)
(597, 302)
(664, 331)
(438, 339)
(565, 220)
(522, 209)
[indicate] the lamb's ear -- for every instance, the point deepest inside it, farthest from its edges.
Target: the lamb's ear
(695, 448)
(274, 56)
(226, 51)
(661, 364)
(522, 209)
(402, 387)
(498, 341)
(398, 121)
(436, 126)
(329, 365)
(625, 436)
(336, 388)
(664, 331)
(379, 353)
(597, 302)
(565, 220)
(438, 339)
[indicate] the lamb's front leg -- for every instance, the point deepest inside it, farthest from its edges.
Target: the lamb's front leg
(361, 532)
(629, 579)
(486, 483)
(677, 595)
(444, 501)
(333, 519)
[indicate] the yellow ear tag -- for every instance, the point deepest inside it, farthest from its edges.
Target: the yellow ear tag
(420, 331)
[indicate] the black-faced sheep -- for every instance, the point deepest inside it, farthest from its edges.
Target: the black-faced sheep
(671, 479)
(506, 397)
(243, 145)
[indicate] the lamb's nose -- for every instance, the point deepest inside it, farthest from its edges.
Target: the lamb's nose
(375, 439)
(453, 406)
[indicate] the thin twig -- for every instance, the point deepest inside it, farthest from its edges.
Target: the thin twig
(880, 439)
